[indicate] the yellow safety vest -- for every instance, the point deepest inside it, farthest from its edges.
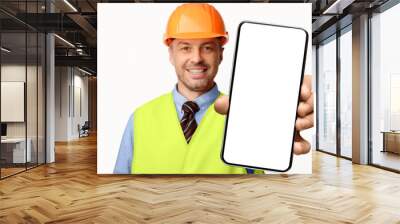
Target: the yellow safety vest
(161, 148)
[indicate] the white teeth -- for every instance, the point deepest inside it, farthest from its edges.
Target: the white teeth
(196, 71)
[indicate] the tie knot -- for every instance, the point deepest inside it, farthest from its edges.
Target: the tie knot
(190, 107)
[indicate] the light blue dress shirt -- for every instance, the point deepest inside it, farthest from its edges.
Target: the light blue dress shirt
(125, 154)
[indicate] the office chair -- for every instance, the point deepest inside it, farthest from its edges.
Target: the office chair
(84, 130)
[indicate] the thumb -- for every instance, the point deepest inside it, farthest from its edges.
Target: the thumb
(222, 104)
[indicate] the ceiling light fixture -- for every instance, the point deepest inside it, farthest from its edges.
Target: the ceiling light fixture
(70, 5)
(79, 51)
(64, 40)
(5, 50)
(337, 7)
(84, 71)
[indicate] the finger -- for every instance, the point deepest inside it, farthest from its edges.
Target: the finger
(310, 100)
(305, 91)
(304, 109)
(222, 104)
(305, 122)
(301, 146)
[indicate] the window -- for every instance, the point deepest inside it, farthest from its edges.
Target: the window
(327, 96)
(385, 89)
(346, 92)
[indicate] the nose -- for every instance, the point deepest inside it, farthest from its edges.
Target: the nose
(196, 56)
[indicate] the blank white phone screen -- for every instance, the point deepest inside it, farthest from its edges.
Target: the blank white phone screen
(264, 93)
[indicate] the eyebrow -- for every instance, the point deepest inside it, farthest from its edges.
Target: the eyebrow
(210, 42)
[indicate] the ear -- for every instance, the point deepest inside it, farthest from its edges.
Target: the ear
(171, 58)
(221, 56)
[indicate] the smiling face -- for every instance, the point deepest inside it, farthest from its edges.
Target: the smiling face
(196, 63)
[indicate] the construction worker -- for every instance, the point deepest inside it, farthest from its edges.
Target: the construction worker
(180, 132)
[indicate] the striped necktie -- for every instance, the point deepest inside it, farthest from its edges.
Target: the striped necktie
(188, 123)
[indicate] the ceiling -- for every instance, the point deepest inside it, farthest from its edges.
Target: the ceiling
(76, 22)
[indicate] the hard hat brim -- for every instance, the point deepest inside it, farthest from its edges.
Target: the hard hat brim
(168, 38)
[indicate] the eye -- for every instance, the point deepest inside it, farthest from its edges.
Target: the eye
(208, 48)
(185, 49)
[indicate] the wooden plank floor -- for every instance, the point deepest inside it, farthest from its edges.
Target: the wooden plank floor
(70, 191)
(10, 171)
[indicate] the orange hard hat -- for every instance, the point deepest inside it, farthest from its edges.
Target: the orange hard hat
(193, 21)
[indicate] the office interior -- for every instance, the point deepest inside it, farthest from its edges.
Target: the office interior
(48, 82)
(48, 86)
(357, 82)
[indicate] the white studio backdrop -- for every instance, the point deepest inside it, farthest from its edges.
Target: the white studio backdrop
(133, 65)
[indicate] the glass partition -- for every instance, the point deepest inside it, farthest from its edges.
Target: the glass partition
(327, 96)
(13, 108)
(41, 91)
(31, 100)
(22, 76)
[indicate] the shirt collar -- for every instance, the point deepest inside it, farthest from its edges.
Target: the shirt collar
(203, 101)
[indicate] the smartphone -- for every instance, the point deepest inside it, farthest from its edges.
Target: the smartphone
(267, 75)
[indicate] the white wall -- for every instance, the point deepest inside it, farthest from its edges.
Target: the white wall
(16, 73)
(61, 103)
(70, 83)
(33, 126)
(82, 83)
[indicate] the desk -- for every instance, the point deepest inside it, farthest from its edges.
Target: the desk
(17, 150)
(391, 141)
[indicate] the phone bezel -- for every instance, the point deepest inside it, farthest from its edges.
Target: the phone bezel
(231, 89)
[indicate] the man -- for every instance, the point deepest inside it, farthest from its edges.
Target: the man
(181, 132)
